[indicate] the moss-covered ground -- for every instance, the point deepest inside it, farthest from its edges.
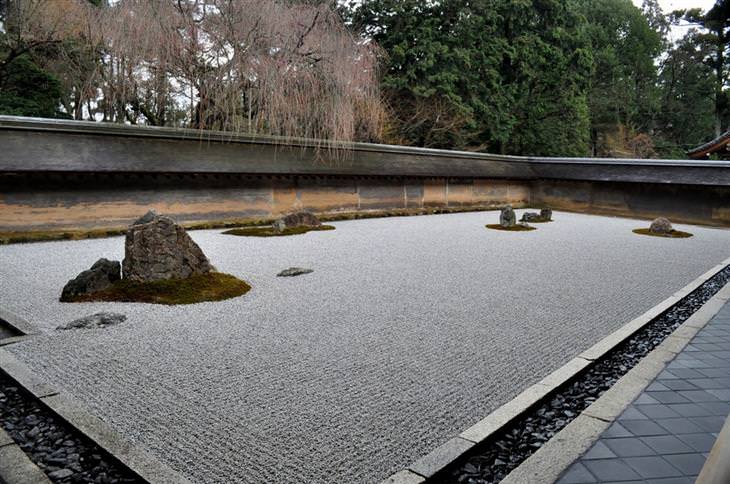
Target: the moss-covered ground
(674, 234)
(514, 228)
(270, 232)
(215, 286)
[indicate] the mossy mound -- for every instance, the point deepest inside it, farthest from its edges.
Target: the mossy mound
(674, 234)
(540, 221)
(514, 228)
(214, 286)
(270, 232)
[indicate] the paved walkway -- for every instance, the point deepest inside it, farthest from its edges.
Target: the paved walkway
(665, 435)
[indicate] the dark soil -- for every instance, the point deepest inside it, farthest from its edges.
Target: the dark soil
(270, 232)
(674, 234)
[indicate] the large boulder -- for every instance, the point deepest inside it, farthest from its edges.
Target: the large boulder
(546, 214)
(102, 274)
(157, 248)
(297, 219)
(508, 218)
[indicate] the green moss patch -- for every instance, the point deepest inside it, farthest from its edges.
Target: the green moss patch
(215, 286)
(674, 234)
(515, 228)
(270, 232)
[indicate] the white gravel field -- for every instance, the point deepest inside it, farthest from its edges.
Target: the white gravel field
(409, 330)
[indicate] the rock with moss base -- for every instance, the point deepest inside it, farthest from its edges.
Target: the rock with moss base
(546, 214)
(297, 219)
(159, 249)
(661, 225)
(507, 218)
(100, 276)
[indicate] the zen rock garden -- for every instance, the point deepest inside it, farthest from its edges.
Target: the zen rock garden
(162, 264)
(508, 220)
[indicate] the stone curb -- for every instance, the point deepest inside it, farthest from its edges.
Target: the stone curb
(446, 454)
(15, 466)
(132, 456)
(717, 467)
(17, 323)
(552, 459)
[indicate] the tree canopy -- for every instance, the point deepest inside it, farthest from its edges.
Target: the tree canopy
(529, 77)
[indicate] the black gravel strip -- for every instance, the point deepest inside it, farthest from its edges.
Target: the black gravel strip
(493, 460)
(59, 450)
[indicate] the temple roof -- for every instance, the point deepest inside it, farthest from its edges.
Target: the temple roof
(720, 144)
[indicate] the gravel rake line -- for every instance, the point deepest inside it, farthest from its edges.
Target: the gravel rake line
(494, 459)
(54, 446)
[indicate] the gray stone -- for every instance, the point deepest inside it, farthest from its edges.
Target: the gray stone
(161, 249)
(531, 217)
(98, 320)
(294, 271)
(61, 474)
(102, 274)
(546, 214)
(297, 219)
(661, 225)
(507, 218)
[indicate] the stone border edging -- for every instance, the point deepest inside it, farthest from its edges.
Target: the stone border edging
(584, 429)
(134, 457)
(17, 323)
(15, 466)
(551, 460)
(717, 467)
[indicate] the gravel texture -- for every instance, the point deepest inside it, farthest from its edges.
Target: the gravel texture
(410, 330)
(515, 444)
(54, 447)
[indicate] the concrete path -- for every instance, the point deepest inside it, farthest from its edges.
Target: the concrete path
(665, 435)
(408, 331)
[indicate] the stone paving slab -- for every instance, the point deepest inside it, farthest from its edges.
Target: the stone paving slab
(666, 434)
(409, 331)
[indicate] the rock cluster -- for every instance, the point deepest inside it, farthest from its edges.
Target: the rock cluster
(661, 225)
(100, 276)
(507, 218)
(156, 248)
(545, 215)
(98, 320)
(297, 219)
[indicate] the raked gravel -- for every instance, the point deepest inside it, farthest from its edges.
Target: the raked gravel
(408, 331)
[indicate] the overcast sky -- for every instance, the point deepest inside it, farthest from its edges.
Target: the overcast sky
(671, 5)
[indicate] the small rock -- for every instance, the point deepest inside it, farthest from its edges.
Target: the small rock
(98, 320)
(294, 271)
(661, 225)
(531, 217)
(102, 274)
(61, 474)
(507, 218)
(546, 214)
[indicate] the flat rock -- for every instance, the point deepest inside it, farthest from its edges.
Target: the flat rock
(160, 249)
(98, 320)
(294, 271)
(100, 276)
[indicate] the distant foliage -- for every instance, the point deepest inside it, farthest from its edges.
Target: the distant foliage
(253, 66)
